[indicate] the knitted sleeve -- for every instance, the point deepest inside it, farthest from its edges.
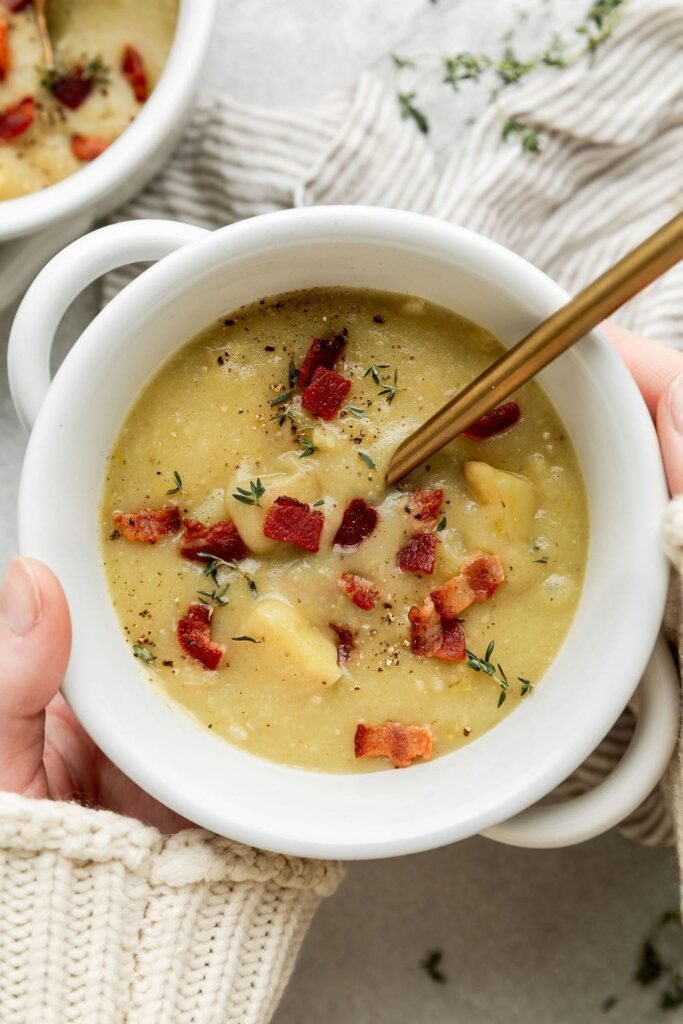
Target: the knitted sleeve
(104, 920)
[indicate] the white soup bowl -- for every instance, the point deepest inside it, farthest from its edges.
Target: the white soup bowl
(200, 276)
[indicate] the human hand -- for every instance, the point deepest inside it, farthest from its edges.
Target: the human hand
(44, 752)
(658, 372)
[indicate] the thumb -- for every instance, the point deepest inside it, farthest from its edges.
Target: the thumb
(670, 430)
(35, 640)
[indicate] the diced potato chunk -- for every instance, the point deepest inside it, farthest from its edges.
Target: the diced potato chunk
(510, 498)
(300, 483)
(291, 648)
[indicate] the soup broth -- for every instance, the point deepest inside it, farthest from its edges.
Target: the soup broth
(320, 650)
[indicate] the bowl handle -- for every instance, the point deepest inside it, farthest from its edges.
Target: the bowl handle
(545, 826)
(61, 281)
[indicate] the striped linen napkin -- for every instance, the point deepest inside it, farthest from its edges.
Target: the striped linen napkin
(609, 172)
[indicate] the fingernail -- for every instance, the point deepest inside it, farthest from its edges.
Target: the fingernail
(20, 604)
(676, 402)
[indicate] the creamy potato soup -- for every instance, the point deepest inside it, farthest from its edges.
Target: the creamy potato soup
(109, 55)
(269, 581)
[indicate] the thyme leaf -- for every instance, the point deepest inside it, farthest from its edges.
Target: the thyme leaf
(530, 138)
(308, 447)
(251, 639)
(283, 397)
(389, 391)
(367, 460)
(409, 110)
(432, 965)
(178, 483)
(144, 654)
(373, 371)
(214, 597)
(213, 563)
(253, 495)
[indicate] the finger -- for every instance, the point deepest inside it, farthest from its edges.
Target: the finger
(670, 430)
(35, 640)
(653, 366)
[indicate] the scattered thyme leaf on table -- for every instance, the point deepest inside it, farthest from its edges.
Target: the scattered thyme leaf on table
(432, 965)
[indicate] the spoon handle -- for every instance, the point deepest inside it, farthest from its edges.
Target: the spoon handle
(569, 324)
(44, 33)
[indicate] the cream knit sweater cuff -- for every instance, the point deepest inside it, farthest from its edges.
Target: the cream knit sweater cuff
(103, 920)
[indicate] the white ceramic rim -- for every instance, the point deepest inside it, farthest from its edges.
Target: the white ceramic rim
(136, 145)
(526, 763)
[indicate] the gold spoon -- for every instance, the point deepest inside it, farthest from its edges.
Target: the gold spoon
(46, 42)
(569, 324)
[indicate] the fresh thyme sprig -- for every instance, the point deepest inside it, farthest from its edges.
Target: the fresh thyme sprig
(285, 414)
(214, 597)
(308, 447)
(509, 68)
(496, 673)
(389, 391)
(213, 564)
(253, 495)
(355, 411)
(178, 483)
(373, 371)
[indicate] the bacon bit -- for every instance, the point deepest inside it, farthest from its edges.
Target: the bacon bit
(358, 522)
(452, 646)
(363, 592)
(495, 422)
(293, 522)
(347, 642)
(16, 119)
(479, 578)
(432, 636)
(425, 628)
(14, 5)
(400, 743)
(220, 540)
(72, 88)
(325, 394)
(425, 505)
(194, 636)
(88, 147)
(133, 69)
(419, 554)
(5, 50)
(321, 352)
(149, 524)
